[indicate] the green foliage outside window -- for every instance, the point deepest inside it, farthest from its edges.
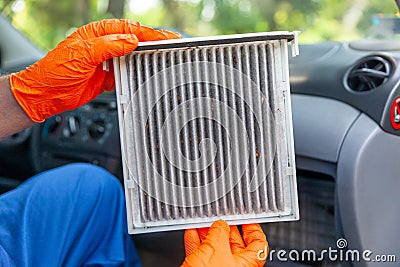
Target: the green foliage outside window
(46, 22)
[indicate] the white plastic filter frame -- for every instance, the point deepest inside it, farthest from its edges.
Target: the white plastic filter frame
(191, 111)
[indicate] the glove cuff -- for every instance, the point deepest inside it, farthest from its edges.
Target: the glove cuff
(25, 98)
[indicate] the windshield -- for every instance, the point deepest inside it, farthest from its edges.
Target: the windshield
(384, 26)
(46, 22)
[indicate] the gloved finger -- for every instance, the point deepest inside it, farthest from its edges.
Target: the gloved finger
(203, 232)
(106, 27)
(214, 250)
(254, 237)
(122, 26)
(192, 241)
(106, 47)
(109, 80)
(236, 240)
(150, 34)
(217, 239)
(257, 247)
(103, 80)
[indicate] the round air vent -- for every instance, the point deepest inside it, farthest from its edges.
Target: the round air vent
(368, 73)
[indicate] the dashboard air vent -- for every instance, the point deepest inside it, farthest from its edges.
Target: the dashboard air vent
(368, 73)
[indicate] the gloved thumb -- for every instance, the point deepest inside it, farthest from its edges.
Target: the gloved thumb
(108, 46)
(217, 237)
(256, 246)
(214, 247)
(206, 238)
(192, 241)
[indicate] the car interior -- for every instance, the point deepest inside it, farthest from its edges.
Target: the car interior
(346, 120)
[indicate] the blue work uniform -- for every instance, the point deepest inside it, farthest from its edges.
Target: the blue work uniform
(69, 216)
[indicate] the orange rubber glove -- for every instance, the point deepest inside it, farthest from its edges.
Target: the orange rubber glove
(221, 245)
(72, 74)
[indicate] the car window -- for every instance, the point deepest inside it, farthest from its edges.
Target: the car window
(46, 22)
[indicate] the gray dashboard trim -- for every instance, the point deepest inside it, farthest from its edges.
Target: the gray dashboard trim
(368, 186)
(314, 165)
(320, 126)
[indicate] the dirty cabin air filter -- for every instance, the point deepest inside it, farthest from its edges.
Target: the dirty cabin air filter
(206, 131)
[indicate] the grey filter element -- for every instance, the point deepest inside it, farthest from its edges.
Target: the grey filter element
(206, 131)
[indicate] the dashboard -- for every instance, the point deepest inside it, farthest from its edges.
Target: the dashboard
(362, 74)
(88, 134)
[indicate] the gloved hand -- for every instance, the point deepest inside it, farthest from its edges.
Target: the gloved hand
(221, 245)
(71, 74)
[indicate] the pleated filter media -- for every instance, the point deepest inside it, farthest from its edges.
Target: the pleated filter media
(206, 131)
